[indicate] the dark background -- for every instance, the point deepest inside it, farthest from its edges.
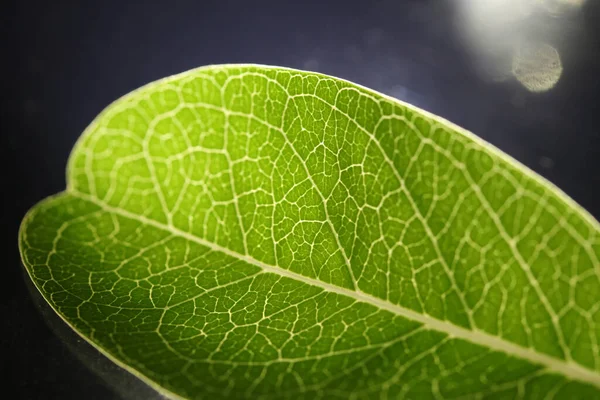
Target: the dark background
(62, 63)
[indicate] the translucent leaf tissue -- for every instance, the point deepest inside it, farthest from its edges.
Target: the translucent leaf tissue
(245, 231)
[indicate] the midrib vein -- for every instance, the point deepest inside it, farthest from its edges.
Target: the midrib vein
(569, 369)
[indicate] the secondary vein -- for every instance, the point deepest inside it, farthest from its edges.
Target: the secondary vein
(567, 368)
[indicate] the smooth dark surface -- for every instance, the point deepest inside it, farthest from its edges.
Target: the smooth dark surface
(63, 63)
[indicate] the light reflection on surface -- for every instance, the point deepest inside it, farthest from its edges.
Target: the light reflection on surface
(513, 38)
(537, 66)
(561, 6)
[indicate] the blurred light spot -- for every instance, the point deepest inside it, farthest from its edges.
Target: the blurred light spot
(404, 94)
(546, 162)
(536, 66)
(487, 29)
(311, 65)
(558, 7)
(494, 33)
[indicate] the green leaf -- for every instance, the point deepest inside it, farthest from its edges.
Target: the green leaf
(258, 232)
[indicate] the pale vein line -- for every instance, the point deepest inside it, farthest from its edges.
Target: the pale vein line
(512, 243)
(388, 161)
(306, 171)
(565, 368)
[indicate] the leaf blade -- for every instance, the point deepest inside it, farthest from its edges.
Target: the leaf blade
(301, 168)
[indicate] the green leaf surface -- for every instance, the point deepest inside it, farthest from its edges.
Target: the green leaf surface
(245, 231)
